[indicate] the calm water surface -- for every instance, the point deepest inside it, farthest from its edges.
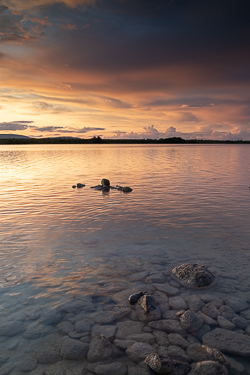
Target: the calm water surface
(190, 203)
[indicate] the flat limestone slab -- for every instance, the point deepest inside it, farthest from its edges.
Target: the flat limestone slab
(228, 342)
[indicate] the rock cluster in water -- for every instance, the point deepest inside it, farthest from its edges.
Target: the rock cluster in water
(105, 186)
(167, 330)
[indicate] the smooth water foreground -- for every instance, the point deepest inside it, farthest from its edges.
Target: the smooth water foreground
(70, 255)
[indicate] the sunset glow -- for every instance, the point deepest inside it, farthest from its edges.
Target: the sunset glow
(125, 68)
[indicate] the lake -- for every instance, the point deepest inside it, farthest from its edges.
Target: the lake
(68, 255)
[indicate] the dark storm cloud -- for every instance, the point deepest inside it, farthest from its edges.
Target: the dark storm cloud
(15, 125)
(150, 34)
(61, 129)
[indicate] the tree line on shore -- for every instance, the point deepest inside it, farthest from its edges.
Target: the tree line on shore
(99, 140)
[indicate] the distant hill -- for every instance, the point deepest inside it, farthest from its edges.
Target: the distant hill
(10, 136)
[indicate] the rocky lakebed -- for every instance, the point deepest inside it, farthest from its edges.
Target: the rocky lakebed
(149, 321)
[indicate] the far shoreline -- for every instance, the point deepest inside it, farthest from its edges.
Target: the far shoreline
(99, 140)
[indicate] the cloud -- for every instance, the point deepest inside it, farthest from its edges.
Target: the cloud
(69, 26)
(52, 108)
(15, 125)
(49, 128)
(88, 129)
(206, 132)
(21, 5)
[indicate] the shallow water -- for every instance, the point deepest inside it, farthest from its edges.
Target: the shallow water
(190, 203)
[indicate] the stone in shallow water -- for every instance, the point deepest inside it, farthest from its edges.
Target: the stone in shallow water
(191, 321)
(140, 369)
(147, 303)
(177, 303)
(74, 349)
(194, 302)
(228, 342)
(208, 368)
(11, 328)
(169, 325)
(174, 352)
(165, 365)
(152, 315)
(82, 326)
(6, 369)
(224, 323)
(139, 351)
(36, 330)
(100, 349)
(199, 353)
(124, 344)
(176, 339)
(107, 331)
(193, 275)
(237, 304)
(148, 338)
(115, 368)
(28, 364)
(167, 288)
(128, 328)
(65, 328)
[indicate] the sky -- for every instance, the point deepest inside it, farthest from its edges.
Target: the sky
(125, 68)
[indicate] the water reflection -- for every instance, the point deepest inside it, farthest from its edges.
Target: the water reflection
(66, 253)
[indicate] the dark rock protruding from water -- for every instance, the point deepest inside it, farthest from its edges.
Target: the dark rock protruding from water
(127, 189)
(193, 275)
(162, 364)
(135, 297)
(105, 182)
(147, 303)
(79, 185)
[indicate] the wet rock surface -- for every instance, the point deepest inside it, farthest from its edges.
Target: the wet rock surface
(161, 364)
(185, 331)
(193, 275)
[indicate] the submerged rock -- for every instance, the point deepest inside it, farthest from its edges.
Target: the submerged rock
(74, 349)
(208, 368)
(228, 342)
(193, 275)
(100, 349)
(161, 364)
(198, 353)
(190, 321)
(139, 351)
